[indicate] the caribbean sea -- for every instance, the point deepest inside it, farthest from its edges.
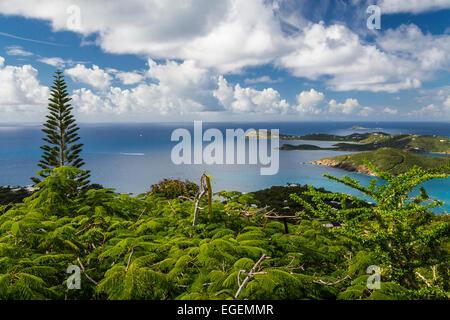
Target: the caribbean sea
(132, 157)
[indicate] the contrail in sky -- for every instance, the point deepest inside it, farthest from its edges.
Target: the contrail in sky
(31, 40)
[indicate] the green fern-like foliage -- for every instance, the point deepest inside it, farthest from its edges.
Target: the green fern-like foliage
(399, 233)
(147, 248)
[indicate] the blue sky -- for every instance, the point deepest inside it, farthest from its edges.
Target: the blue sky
(222, 60)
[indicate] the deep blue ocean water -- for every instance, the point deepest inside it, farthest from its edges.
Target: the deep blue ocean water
(131, 157)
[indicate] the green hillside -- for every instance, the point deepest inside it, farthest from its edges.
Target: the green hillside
(387, 159)
(354, 137)
(300, 147)
(377, 140)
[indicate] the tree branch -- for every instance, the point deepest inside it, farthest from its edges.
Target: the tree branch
(239, 277)
(332, 283)
(250, 275)
(423, 279)
(84, 272)
(140, 216)
(172, 208)
(198, 198)
(129, 259)
(225, 292)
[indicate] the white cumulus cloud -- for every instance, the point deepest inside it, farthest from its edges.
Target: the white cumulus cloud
(338, 52)
(55, 62)
(349, 107)
(413, 6)
(430, 112)
(20, 90)
(228, 36)
(390, 111)
(426, 51)
(171, 88)
(447, 103)
(129, 78)
(249, 100)
(310, 102)
(94, 76)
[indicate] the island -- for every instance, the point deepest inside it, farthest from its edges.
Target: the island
(255, 134)
(357, 142)
(393, 153)
(389, 160)
(300, 147)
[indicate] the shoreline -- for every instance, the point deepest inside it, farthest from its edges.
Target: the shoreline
(337, 164)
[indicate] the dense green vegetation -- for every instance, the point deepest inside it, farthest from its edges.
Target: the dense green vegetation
(148, 248)
(304, 147)
(399, 234)
(386, 159)
(278, 198)
(10, 195)
(376, 140)
(354, 137)
(174, 188)
(178, 241)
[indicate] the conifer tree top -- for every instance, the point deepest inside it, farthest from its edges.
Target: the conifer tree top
(61, 146)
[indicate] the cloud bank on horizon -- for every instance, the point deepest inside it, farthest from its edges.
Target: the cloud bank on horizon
(147, 60)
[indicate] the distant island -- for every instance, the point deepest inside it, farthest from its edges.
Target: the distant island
(358, 128)
(256, 134)
(386, 159)
(396, 153)
(360, 142)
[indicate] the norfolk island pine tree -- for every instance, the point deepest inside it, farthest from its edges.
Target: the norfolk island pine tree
(61, 132)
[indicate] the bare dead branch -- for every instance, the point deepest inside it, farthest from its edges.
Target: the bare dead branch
(84, 229)
(198, 198)
(187, 198)
(140, 216)
(239, 277)
(250, 275)
(423, 279)
(171, 207)
(332, 283)
(84, 272)
(129, 259)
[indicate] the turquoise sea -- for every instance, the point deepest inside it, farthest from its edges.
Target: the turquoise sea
(131, 157)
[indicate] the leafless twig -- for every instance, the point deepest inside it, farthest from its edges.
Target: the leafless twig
(332, 283)
(250, 275)
(129, 259)
(171, 207)
(140, 216)
(239, 277)
(423, 279)
(84, 229)
(84, 272)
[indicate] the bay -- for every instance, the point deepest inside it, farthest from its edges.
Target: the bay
(132, 157)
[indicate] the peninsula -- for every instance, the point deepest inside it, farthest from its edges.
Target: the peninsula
(389, 160)
(360, 142)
